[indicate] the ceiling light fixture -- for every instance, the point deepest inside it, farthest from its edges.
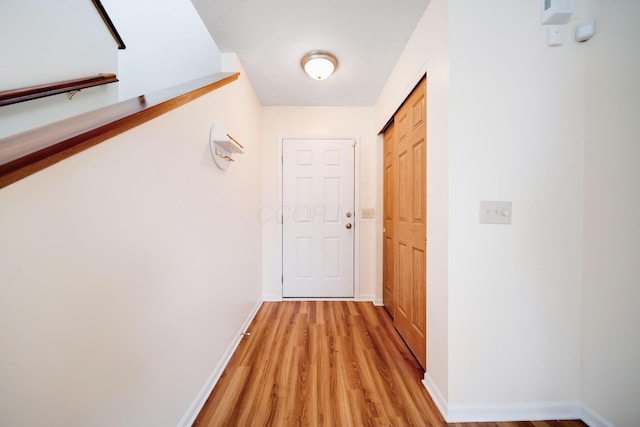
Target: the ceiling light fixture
(319, 64)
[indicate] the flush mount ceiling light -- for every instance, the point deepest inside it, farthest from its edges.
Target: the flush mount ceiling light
(319, 64)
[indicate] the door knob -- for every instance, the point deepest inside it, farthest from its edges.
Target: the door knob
(348, 226)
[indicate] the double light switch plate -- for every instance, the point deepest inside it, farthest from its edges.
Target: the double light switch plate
(492, 212)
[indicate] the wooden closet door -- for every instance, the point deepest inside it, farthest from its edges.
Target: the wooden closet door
(388, 266)
(410, 222)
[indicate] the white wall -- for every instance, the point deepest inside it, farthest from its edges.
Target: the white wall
(611, 291)
(505, 122)
(517, 131)
(541, 314)
(46, 42)
(167, 44)
(428, 50)
(318, 121)
(127, 270)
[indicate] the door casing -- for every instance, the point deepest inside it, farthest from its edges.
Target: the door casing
(356, 216)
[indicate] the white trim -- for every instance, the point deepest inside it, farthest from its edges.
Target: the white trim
(317, 299)
(363, 298)
(279, 210)
(196, 406)
(272, 298)
(356, 217)
(517, 412)
(402, 96)
(436, 395)
(368, 298)
(592, 418)
(498, 413)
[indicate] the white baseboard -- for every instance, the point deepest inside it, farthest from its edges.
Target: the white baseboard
(592, 418)
(366, 298)
(436, 395)
(195, 408)
(272, 298)
(516, 412)
(499, 413)
(361, 298)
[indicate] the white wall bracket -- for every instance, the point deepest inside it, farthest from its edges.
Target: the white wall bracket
(223, 146)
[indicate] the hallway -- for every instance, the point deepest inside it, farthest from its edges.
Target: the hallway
(324, 363)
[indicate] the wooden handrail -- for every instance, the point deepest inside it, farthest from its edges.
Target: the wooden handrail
(13, 96)
(28, 152)
(109, 23)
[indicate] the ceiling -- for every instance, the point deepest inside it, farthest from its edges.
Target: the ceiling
(272, 36)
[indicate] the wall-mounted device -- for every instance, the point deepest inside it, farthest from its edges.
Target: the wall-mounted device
(493, 212)
(554, 35)
(223, 146)
(585, 30)
(556, 12)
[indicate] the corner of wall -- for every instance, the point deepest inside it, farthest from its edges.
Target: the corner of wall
(436, 395)
(230, 62)
(427, 51)
(610, 349)
(592, 418)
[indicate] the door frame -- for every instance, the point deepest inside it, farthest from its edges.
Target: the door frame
(356, 215)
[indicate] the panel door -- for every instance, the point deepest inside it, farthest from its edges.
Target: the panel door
(318, 218)
(410, 222)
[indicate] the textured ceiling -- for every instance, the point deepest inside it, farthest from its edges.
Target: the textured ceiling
(271, 36)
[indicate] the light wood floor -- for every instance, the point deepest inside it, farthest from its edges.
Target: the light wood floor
(325, 364)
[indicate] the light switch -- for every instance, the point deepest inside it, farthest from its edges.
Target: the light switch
(492, 212)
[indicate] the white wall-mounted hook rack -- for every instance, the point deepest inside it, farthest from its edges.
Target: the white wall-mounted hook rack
(223, 146)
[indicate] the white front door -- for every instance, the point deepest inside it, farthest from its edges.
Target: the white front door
(318, 218)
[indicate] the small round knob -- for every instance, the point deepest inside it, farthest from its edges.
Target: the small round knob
(348, 226)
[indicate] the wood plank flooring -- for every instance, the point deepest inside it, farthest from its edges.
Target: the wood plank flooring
(312, 363)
